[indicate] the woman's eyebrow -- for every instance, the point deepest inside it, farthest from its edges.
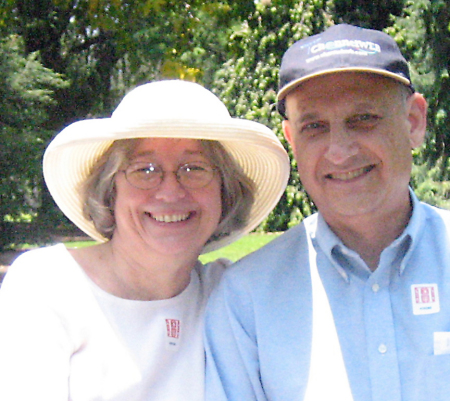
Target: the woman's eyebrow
(146, 153)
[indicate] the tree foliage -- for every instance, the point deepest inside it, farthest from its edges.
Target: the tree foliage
(248, 82)
(423, 32)
(431, 183)
(376, 14)
(83, 55)
(103, 48)
(26, 89)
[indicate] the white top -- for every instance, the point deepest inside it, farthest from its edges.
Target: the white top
(63, 338)
(326, 354)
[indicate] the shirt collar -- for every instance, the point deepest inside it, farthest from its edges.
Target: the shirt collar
(327, 240)
(323, 237)
(413, 230)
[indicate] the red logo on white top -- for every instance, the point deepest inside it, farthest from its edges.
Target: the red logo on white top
(173, 328)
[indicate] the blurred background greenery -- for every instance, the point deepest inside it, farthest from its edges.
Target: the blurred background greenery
(64, 60)
(233, 252)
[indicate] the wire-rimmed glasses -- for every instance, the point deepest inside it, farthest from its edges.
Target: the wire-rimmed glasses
(192, 175)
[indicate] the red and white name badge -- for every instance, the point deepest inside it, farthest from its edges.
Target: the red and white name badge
(173, 329)
(425, 299)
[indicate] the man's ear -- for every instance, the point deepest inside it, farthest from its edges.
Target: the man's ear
(417, 117)
(287, 129)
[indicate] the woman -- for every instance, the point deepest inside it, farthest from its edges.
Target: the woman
(169, 176)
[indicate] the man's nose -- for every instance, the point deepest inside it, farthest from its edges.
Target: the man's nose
(342, 145)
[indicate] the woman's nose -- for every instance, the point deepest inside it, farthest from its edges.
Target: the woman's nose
(170, 190)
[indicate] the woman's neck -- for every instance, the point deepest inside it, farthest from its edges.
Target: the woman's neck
(134, 274)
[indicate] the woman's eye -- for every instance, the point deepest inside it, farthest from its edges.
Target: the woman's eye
(193, 167)
(146, 170)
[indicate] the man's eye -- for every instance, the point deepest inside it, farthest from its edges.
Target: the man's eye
(363, 119)
(313, 127)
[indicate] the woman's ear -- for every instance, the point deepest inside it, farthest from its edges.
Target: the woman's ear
(417, 117)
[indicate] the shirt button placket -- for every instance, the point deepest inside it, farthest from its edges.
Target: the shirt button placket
(380, 332)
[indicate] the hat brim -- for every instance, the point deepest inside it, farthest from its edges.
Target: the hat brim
(70, 156)
(285, 90)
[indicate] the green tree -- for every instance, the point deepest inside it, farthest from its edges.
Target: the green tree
(375, 14)
(26, 90)
(423, 32)
(102, 48)
(248, 81)
(431, 185)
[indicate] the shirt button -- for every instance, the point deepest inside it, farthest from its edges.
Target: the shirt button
(382, 349)
(375, 287)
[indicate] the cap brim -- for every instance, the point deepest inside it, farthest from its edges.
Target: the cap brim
(285, 90)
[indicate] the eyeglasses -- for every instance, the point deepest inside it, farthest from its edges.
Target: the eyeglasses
(192, 175)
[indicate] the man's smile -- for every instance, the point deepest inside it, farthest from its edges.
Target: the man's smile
(350, 175)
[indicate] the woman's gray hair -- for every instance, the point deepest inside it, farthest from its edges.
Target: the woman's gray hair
(98, 191)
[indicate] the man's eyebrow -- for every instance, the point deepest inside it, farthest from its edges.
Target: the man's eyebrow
(305, 117)
(312, 115)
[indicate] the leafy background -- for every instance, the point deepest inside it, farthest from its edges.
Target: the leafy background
(65, 60)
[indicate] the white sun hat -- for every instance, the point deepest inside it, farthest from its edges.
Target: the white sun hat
(167, 109)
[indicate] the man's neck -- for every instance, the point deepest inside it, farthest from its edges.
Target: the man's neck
(370, 235)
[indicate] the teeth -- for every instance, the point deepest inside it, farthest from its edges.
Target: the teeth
(171, 218)
(351, 174)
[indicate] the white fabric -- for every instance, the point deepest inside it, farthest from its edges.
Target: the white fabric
(64, 339)
(326, 355)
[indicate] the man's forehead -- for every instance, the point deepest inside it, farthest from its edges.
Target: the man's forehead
(358, 85)
(303, 108)
(347, 78)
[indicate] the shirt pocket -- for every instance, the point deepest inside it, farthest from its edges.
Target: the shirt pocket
(437, 378)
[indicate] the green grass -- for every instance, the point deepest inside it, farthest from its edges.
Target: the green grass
(79, 244)
(234, 251)
(241, 247)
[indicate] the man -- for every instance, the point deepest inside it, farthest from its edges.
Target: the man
(374, 261)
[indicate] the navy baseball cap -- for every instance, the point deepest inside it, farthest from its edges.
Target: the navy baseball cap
(341, 48)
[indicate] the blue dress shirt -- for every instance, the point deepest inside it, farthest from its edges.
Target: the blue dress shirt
(393, 324)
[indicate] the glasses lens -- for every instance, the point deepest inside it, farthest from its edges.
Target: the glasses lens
(144, 175)
(195, 174)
